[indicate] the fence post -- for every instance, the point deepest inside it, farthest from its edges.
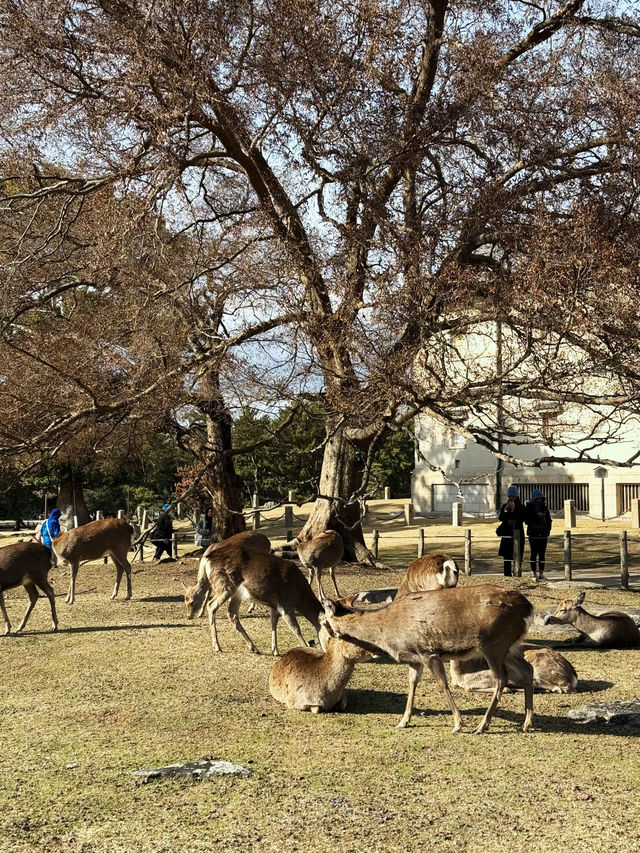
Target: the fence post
(174, 545)
(288, 517)
(121, 513)
(567, 555)
(624, 560)
(635, 513)
(517, 556)
(290, 496)
(467, 551)
(374, 544)
(99, 514)
(408, 514)
(289, 535)
(569, 514)
(421, 542)
(456, 514)
(256, 513)
(387, 493)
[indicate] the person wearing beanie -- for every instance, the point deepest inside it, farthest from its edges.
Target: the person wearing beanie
(511, 519)
(538, 522)
(161, 536)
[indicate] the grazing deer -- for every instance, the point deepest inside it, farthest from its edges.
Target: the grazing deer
(278, 584)
(26, 564)
(322, 552)
(107, 536)
(250, 539)
(610, 629)
(552, 672)
(432, 571)
(429, 627)
(310, 680)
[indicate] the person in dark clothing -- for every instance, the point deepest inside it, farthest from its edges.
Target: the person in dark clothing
(538, 522)
(162, 534)
(512, 514)
(203, 530)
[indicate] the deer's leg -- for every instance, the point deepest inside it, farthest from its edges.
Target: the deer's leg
(119, 573)
(500, 675)
(232, 611)
(32, 592)
(48, 591)
(321, 594)
(274, 630)
(415, 674)
(439, 673)
(5, 614)
(213, 604)
(122, 566)
(72, 584)
(200, 612)
(292, 623)
(127, 571)
(332, 575)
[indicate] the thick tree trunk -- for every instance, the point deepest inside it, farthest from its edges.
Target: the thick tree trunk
(340, 476)
(222, 483)
(71, 502)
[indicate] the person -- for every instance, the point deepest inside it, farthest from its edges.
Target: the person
(162, 533)
(512, 515)
(50, 530)
(539, 523)
(203, 530)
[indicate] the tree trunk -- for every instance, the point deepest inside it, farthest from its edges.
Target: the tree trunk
(221, 481)
(71, 501)
(340, 476)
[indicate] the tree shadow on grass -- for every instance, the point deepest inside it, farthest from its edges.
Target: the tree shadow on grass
(164, 599)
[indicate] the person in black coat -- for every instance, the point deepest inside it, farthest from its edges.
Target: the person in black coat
(538, 522)
(512, 515)
(203, 529)
(162, 534)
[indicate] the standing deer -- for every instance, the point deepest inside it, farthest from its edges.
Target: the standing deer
(107, 536)
(26, 564)
(311, 680)
(610, 629)
(250, 539)
(429, 627)
(432, 571)
(322, 552)
(230, 570)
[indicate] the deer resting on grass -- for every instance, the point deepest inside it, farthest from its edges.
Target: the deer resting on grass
(427, 628)
(610, 629)
(111, 537)
(26, 564)
(310, 680)
(231, 570)
(552, 673)
(322, 552)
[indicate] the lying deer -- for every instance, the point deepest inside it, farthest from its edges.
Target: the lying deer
(322, 552)
(107, 536)
(312, 680)
(610, 629)
(430, 627)
(26, 564)
(278, 584)
(552, 672)
(432, 571)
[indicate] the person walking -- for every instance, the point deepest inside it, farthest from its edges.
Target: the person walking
(203, 530)
(163, 533)
(50, 530)
(512, 518)
(539, 523)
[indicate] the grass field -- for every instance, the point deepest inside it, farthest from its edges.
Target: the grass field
(127, 685)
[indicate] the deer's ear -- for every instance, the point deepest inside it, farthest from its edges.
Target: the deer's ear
(578, 599)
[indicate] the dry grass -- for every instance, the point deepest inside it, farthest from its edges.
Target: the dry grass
(126, 685)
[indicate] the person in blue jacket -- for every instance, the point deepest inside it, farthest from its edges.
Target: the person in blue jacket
(51, 530)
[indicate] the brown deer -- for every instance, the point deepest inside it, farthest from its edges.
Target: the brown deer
(250, 539)
(311, 680)
(432, 571)
(322, 552)
(552, 673)
(107, 536)
(430, 627)
(26, 564)
(269, 580)
(610, 629)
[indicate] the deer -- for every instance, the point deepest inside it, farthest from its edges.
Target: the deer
(432, 571)
(322, 552)
(427, 628)
(26, 564)
(309, 679)
(552, 673)
(250, 539)
(230, 571)
(107, 536)
(610, 629)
